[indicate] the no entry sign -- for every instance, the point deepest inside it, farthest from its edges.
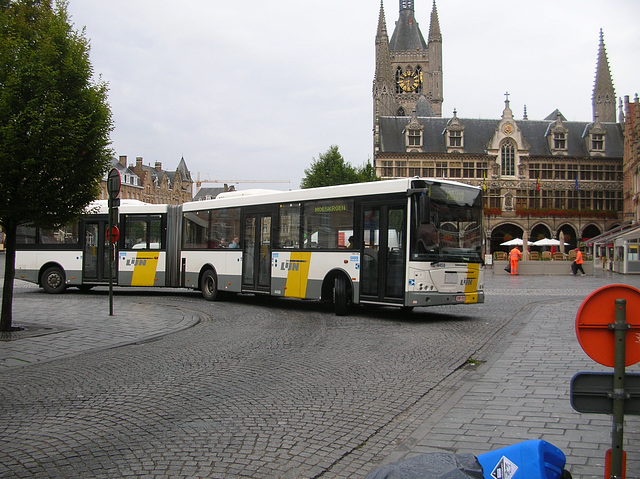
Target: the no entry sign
(113, 234)
(595, 319)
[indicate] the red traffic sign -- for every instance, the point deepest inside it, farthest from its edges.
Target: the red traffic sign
(113, 234)
(595, 315)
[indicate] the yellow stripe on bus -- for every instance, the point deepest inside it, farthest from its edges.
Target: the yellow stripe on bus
(144, 270)
(298, 274)
(471, 286)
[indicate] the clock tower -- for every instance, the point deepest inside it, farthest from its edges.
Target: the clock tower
(407, 66)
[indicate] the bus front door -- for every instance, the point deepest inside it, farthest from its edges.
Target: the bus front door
(382, 268)
(95, 263)
(256, 252)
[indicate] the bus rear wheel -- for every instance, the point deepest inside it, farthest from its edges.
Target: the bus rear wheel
(340, 296)
(209, 286)
(53, 280)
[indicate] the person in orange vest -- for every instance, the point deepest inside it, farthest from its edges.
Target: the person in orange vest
(578, 262)
(514, 256)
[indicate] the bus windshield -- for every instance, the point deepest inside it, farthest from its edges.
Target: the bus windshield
(446, 224)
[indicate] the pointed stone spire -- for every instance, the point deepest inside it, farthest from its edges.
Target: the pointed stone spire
(434, 28)
(603, 100)
(382, 25)
(384, 79)
(434, 72)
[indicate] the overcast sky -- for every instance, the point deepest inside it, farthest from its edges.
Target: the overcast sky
(255, 90)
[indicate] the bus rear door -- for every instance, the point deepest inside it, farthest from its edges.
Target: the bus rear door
(95, 264)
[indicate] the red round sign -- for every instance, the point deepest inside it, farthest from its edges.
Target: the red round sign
(597, 312)
(113, 234)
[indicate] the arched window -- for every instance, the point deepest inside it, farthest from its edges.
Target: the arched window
(398, 76)
(508, 156)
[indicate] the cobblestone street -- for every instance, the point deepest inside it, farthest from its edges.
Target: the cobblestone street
(175, 386)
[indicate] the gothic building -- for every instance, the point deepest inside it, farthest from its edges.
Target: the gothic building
(407, 67)
(152, 184)
(540, 177)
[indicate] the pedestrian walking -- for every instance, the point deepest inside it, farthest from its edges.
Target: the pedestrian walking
(514, 256)
(577, 263)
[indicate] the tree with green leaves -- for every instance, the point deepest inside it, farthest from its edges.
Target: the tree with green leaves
(55, 123)
(331, 169)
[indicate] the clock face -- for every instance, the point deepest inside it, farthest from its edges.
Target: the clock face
(409, 81)
(508, 128)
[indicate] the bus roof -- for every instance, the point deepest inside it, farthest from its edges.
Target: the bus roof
(126, 206)
(253, 197)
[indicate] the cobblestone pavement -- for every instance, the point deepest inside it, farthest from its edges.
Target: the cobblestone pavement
(265, 388)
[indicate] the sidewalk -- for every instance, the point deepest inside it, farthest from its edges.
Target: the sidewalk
(521, 392)
(77, 323)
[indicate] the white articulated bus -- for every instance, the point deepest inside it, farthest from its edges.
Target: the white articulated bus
(408, 242)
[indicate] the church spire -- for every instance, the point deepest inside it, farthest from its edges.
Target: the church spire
(603, 100)
(384, 79)
(434, 28)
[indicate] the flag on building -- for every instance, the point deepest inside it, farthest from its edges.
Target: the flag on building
(538, 184)
(484, 183)
(577, 184)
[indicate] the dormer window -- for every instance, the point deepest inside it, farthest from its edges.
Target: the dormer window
(597, 142)
(454, 134)
(414, 138)
(455, 139)
(413, 134)
(558, 136)
(595, 138)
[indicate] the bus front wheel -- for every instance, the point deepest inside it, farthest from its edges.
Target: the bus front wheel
(340, 296)
(209, 286)
(53, 280)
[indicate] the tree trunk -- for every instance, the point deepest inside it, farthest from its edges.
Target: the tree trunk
(6, 316)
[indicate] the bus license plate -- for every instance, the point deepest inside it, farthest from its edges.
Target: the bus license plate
(461, 298)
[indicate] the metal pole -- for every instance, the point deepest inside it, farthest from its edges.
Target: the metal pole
(620, 330)
(109, 225)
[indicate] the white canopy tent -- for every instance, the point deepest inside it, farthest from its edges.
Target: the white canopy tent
(513, 242)
(547, 242)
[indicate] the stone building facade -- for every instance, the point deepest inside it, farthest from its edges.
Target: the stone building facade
(542, 178)
(152, 184)
(407, 67)
(632, 159)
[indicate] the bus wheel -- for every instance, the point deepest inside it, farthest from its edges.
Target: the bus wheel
(208, 286)
(53, 280)
(340, 300)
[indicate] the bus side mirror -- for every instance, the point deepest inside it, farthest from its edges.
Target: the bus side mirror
(425, 210)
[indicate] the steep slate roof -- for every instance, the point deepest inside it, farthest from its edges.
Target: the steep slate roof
(184, 171)
(478, 133)
(407, 35)
(423, 107)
